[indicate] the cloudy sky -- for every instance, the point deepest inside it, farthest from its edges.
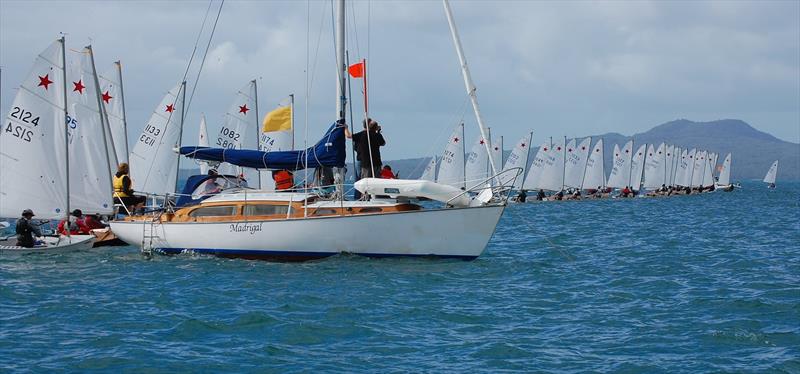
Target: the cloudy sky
(557, 68)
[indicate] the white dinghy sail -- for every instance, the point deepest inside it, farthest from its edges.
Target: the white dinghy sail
(202, 141)
(537, 166)
(595, 174)
(477, 163)
(240, 130)
(724, 179)
(621, 169)
(154, 163)
(637, 168)
(772, 173)
(429, 174)
(517, 159)
(89, 144)
(451, 165)
(575, 164)
(113, 97)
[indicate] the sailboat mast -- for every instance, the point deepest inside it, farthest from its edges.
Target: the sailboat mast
(124, 117)
(257, 129)
(291, 105)
(341, 88)
(468, 80)
(180, 135)
(103, 122)
(66, 123)
(564, 172)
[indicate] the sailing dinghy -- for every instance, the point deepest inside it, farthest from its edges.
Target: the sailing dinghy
(772, 173)
(36, 141)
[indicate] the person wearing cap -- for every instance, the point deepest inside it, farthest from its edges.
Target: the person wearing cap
(76, 224)
(26, 230)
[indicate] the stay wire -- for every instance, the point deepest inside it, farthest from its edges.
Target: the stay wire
(205, 54)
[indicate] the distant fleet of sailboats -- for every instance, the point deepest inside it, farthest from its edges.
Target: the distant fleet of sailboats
(574, 168)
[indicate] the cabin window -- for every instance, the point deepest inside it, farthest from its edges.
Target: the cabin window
(214, 211)
(324, 212)
(370, 210)
(265, 210)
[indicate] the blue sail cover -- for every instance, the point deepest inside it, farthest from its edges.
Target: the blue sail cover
(329, 151)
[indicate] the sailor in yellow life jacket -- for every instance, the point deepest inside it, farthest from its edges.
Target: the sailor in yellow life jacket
(123, 192)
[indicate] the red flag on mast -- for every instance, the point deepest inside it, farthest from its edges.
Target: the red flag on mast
(356, 70)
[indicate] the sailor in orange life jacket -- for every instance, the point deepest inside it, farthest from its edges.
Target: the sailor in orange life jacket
(284, 180)
(386, 173)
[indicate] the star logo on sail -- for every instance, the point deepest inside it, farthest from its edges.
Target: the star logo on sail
(243, 109)
(482, 142)
(522, 145)
(170, 108)
(78, 86)
(106, 97)
(455, 140)
(45, 81)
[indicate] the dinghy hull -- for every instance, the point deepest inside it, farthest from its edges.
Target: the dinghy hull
(54, 245)
(450, 233)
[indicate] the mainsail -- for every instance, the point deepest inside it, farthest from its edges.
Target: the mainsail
(637, 168)
(621, 169)
(32, 145)
(430, 171)
(575, 164)
(497, 154)
(154, 163)
(240, 130)
(89, 148)
(113, 98)
(725, 172)
(552, 176)
(772, 173)
(655, 167)
(451, 165)
(535, 173)
(698, 169)
(517, 159)
(202, 141)
(595, 173)
(477, 163)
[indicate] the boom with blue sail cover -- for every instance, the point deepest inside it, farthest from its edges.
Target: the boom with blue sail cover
(329, 151)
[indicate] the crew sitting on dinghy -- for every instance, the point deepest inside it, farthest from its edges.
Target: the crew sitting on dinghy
(77, 224)
(123, 191)
(540, 195)
(522, 196)
(26, 229)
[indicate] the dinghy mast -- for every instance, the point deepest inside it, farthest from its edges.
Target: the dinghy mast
(468, 81)
(66, 124)
(105, 125)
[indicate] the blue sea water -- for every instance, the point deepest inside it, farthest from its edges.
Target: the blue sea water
(705, 283)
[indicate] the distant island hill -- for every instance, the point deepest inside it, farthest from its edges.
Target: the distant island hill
(753, 150)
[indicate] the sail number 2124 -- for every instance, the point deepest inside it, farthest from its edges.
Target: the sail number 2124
(20, 131)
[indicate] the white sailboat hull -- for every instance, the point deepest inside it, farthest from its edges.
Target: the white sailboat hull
(455, 233)
(55, 244)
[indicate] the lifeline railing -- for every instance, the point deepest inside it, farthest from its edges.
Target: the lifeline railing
(502, 189)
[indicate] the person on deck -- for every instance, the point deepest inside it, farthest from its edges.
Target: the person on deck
(284, 180)
(626, 192)
(540, 195)
(123, 190)
(386, 172)
(76, 224)
(211, 186)
(367, 144)
(26, 230)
